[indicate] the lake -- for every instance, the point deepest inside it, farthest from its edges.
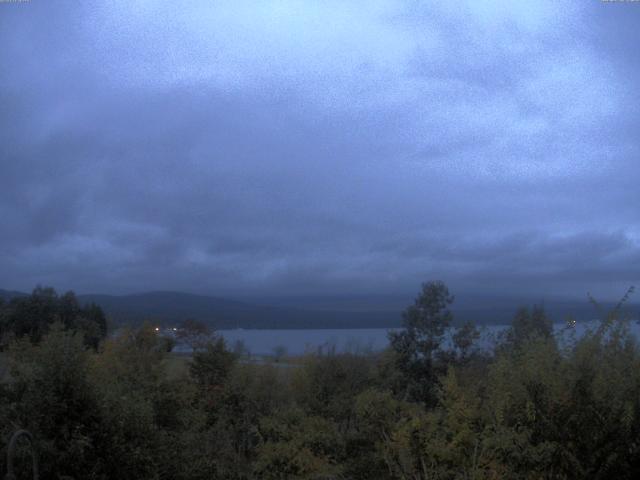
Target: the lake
(298, 342)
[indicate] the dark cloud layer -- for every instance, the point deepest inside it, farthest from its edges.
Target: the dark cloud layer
(297, 148)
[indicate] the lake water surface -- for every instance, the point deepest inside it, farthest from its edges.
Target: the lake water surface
(298, 342)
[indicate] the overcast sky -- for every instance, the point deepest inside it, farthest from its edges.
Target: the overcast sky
(325, 147)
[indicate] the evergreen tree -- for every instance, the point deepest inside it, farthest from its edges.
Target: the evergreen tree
(417, 346)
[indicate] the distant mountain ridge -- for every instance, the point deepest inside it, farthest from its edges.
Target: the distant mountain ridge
(167, 307)
(171, 307)
(9, 294)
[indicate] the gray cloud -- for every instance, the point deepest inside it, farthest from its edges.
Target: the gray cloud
(326, 148)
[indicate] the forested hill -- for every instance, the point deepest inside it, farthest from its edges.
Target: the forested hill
(168, 307)
(312, 312)
(224, 313)
(7, 295)
(480, 309)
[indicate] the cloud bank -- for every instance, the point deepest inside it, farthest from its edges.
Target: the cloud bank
(319, 147)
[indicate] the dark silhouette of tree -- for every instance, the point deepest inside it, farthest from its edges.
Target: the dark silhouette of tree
(416, 346)
(464, 339)
(527, 325)
(211, 366)
(194, 333)
(32, 316)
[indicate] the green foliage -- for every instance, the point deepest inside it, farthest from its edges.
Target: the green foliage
(417, 345)
(529, 325)
(31, 317)
(464, 339)
(128, 377)
(369, 447)
(194, 333)
(327, 385)
(50, 395)
(529, 410)
(211, 366)
(295, 445)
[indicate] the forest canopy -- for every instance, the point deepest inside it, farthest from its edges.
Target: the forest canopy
(531, 407)
(32, 317)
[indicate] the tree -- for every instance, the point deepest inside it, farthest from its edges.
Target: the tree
(326, 385)
(129, 375)
(211, 366)
(279, 352)
(296, 445)
(32, 316)
(417, 345)
(464, 338)
(52, 396)
(527, 325)
(240, 349)
(194, 333)
(93, 322)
